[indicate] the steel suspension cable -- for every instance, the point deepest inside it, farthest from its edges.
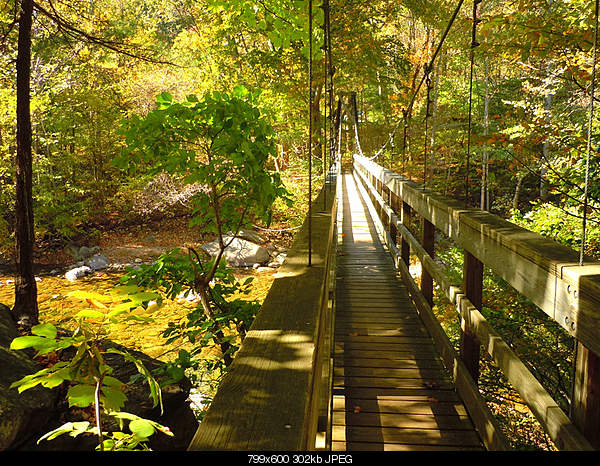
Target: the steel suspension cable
(474, 44)
(330, 72)
(589, 137)
(325, 105)
(310, 121)
(356, 133)
(429, 66)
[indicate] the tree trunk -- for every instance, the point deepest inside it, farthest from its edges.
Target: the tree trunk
(218, 337)
(515, 202)
(25, 311)
(433, 162)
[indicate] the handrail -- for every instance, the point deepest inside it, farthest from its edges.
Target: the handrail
(275, 394)
(513, 253)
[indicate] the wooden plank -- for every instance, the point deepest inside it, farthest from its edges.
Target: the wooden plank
(392, 382)
(406, 436)
(586, 395)
(413, 330)
(342, 403)
(350, 338)
(364, 446)
(387, 317)
(392, 362)
(429, 247)
(374, 372)
(400, 353)
(407, 344)
(400, 394)
(359, 418)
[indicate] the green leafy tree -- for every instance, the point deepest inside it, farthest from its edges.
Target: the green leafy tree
(220, 144)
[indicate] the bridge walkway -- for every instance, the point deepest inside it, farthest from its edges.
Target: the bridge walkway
(390, 389)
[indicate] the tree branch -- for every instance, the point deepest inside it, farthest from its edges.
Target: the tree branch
(70, 30)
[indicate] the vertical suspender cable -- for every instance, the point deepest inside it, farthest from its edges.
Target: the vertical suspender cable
(330, 82)
(589, 138)
(427, 109)
(324, 146)
(474, 44)
(338, 154)
(310, 120)
(404, 139)
(356, 133)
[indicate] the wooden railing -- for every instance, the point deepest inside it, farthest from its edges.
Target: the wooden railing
(542, 270)
(276, 394)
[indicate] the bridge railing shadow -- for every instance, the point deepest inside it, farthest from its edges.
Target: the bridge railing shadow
(542, 270)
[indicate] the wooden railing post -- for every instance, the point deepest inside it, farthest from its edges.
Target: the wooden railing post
(394, 204)
(470, 346)
(585, 408)
(405, 248)
(428, 243)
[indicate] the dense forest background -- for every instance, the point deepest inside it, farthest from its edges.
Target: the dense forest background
(530, 99)
(499, 120)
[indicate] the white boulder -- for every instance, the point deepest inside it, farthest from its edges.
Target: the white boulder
(239, 252)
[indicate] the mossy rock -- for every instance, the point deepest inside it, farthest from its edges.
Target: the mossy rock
(22, 415)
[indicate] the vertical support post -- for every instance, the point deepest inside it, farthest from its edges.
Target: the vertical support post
(405, 249)
(470, 347)
(394, 201)
(377, 205)
(585, 408)
(428, 243)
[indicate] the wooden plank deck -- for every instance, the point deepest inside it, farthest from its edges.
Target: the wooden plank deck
(390, 390)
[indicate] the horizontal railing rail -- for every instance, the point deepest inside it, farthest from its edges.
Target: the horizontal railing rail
(275, 395)
(542, 270)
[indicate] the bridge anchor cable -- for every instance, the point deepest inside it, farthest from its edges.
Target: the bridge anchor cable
(589, 137)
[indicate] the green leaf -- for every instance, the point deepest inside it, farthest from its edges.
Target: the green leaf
(112, 382)
(28, 342)
(114, 399)
(155, 391)
(240, 91)
(164, 97)
(44, 330)
(72, 428)
(141, 428)
(81, 395)
(90, 314)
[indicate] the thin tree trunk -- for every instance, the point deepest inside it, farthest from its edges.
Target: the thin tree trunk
(545, 151)
(515, 202)
(25, 310)
(219, 337)
(432, 164)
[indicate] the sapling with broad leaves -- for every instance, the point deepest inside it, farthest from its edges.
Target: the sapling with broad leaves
(221, 143)
(87, 374)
